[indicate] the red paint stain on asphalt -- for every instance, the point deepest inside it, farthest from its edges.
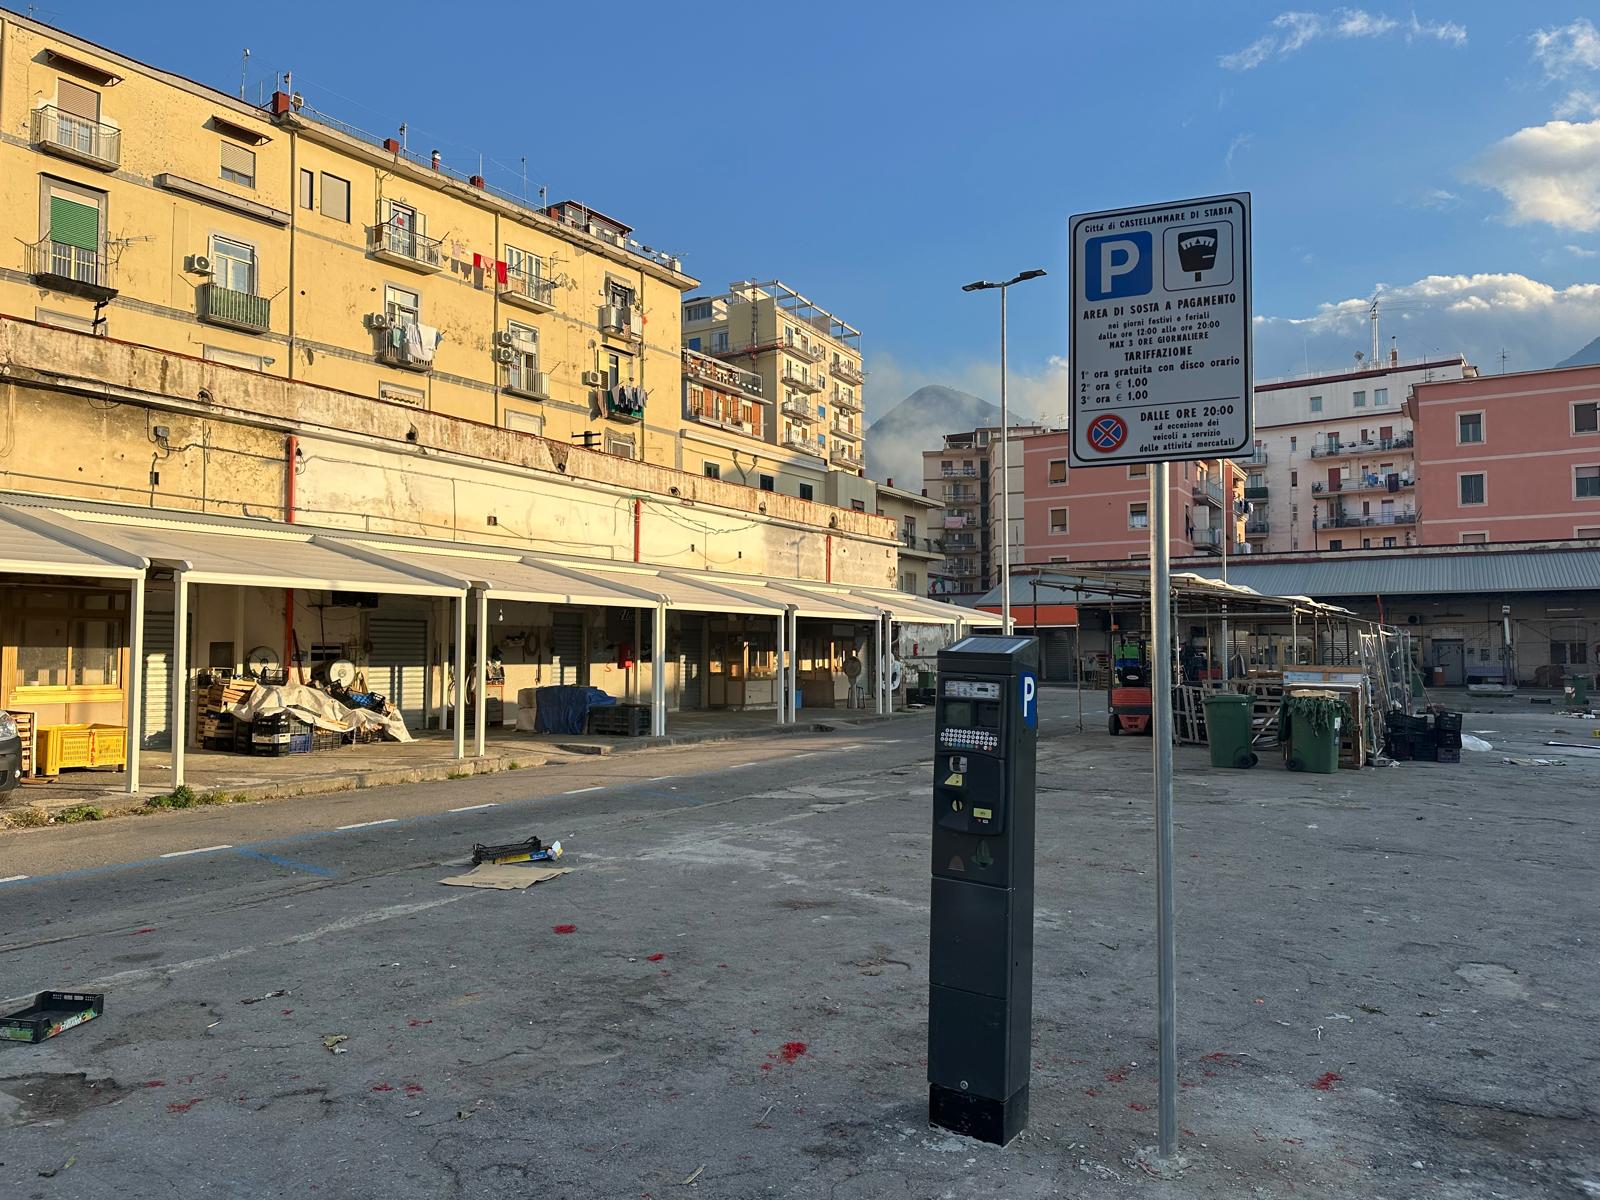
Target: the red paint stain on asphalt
(150, 1083)
(766, 1066)
(656, 957)
(1091, 1091)
(792, 1051)
(563, 929)
(413, 1089)
(1215, 1056)
(1209, 1074)
(146, 929)
(1118, 1076)
(183, 1106)
(1137, 1107)
(286, 1012)
(1325, 1081)
(381, 1087)
(416, 1023)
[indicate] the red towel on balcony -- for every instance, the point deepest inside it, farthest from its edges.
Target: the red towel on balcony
(499, 272)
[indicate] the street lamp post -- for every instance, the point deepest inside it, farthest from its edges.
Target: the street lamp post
(983, 285)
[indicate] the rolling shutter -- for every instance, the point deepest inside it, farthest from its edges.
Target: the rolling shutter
(156, 728)
(78, 100)
(566, 642)
(397, 664)
(74, 223)
(238, 160)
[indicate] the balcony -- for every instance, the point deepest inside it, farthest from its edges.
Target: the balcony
(913, 544)
(530, 291)
(718, 374)
(625, 402)
(1208, 490)
(845, 456)
(1344, 449)
(1257, 527)
(1376, 483)
(793, 378)
(1358, 521)
(955, 543)
(71, 269)
(848, 372)
(845, 430)
(849, 403)
(814, 354)
(396, 348)
(217, 305)
(1256, 493)
(405, 247)
(961, 569)
(1258, 458)
(708, 416)
(83, 141)
(960, 472)
(802, 444)
(798, 409)
(1207, 540)
(959, 495)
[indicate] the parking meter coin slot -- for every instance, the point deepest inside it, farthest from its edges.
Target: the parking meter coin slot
(977, 804)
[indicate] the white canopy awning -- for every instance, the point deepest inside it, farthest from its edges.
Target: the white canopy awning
(508, 575)
(30, 544)
(681, 589)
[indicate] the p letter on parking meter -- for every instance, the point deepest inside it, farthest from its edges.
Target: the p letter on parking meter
(980, 961)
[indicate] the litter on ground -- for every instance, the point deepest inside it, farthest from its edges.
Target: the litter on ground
(505, 877)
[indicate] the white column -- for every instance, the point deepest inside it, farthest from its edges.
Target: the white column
(792, 693)
(877, 660)
(180, 673)
(658, 671)
(459, 716)
(782, 682)
(134, 682)
(480, 676)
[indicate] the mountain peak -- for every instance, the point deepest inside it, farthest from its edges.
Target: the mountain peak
(1589, 356)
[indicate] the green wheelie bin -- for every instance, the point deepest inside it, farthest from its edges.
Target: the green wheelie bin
(1229, 729)
(1577, 691)
(1312, 725)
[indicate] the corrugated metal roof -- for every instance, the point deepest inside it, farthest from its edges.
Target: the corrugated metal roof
(1574, 570)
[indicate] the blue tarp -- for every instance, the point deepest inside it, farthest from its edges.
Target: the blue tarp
(565, 709)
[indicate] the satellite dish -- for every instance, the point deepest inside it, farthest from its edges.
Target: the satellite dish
(342, 672)
(262, 661)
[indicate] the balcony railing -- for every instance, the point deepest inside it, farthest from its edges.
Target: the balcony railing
(404, 246)
(1207, 539)
(78, 138)
(848, 372)
(71, 269)
(1344, 449)
(958, 494)
(1208, 490)
(845, 456)
(794, 379)
(961, 472)
(922, 545)
(1257, 528)
(810, 353)
(1376, 483)
(1360, 521)
(961, 569)
(846, 430)
(707, 416)
(395, 349)
(527, 290)
(799, 410)
(1258, 492)
(218, 305)
(848, 402)
(803, 444)
(720, 374)
(1257, 459)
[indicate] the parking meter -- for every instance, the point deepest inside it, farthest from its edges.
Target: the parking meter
(980, 961)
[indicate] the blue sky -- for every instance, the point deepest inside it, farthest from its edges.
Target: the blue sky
(875, 156)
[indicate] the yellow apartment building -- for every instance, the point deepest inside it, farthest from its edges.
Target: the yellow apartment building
(809, 365)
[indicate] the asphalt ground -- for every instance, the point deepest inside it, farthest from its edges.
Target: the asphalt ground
(1387, 983)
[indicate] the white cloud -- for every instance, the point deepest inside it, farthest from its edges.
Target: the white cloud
(1477, 315)
(1438, 198)
(1239, 142)
(1579, 251)
(1548, 173)
(1294, 30)
(1568, 49)
(1578, 104)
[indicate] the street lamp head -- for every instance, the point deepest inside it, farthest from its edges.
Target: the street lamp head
(978, 285)
(1034, 274)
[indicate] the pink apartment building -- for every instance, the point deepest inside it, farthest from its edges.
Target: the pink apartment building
(1508, 458)
(1082, 514)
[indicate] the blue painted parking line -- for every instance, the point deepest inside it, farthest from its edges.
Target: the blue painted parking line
(288, 863)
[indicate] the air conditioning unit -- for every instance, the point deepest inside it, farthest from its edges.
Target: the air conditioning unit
(505, 354)
(614, 319)
(198, 264)
(539, 383)
(591, 379)
(503, 337)
(379, 321)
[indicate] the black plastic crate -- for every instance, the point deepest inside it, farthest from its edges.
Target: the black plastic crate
(1449, 754)
(1447, 722)
(1400, 747)
(280, 734)
(1448, 739)
(326, 739)
(51, 1013)
(620, 720)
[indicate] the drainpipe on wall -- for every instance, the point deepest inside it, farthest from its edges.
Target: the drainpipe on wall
(828, 565)
(638, 521)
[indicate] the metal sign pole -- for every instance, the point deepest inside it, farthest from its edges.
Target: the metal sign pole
(1161, 715)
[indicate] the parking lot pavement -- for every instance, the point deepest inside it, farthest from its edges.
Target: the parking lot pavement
(1386, 988)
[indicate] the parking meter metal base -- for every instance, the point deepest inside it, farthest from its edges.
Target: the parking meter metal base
(993, 1121)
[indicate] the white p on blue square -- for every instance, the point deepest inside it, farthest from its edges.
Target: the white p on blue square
(1118, 265)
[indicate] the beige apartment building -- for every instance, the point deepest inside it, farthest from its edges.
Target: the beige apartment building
(799, 388)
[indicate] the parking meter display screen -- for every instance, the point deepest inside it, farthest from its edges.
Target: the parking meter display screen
(960, 712)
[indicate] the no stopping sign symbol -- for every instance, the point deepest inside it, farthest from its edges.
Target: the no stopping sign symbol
(1107, 433)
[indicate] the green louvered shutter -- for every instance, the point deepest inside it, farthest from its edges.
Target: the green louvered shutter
(74, 224)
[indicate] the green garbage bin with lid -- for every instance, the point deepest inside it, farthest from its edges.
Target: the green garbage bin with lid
(1229, 729)
(1312, 726)
(1577, 691)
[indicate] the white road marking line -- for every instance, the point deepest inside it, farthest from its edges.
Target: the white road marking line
(340, 926)
(580, 791)
(652, 779)
(736, 766)
(14, 878)
(197, 850)
(474, 807)
(367, 824)
(807, 754)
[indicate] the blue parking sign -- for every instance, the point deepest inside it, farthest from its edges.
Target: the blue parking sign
(1119, 265)
(1030, 700)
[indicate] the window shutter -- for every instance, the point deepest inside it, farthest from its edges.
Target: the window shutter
(239, 160)
(78, 100)
(74, 223)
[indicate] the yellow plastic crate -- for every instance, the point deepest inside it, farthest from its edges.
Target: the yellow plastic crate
(62, 747)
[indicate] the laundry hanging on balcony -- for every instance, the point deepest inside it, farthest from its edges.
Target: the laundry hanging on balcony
(421, 342)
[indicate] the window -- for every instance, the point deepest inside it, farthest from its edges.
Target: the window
(1568, 654)
(1586, 417)
(697, 312)
(908, 529)
(618, 294)
(1587, 484)
(1294, 478)
(402, 395)
(1139, 516)
(335, 197)
(251, 362)
(713, 471)
(719, 341)
(61, 320)
(402, 306)
(1138, 471)
(1474, 539)
(613, 370)
(1060, 558)
(619, 445)
(1366, 543)
(693, 343)
(238, 165)
(233, 265)
(524, 364)
(1380, 397)
(1058, 520)
(859, 505)
(1389, 541)
(1587, 531)
(822, 411)
(68, 640)
(1316, 404)
(768, 483)
(807, 492)
(308, 185)
(1058, 470)
(524, 422)
(1360, 399)
(1336, 544)
(1294, 442)
(1469, 428)
(75, 219)
(1472, 488)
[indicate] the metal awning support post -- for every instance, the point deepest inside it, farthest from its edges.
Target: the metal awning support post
(180, 673)
(782, 681)
(792, 691)
(480, 678)
(459, 713)
(877, 663)
(658, 670)
(135, 682)
(1294, 636)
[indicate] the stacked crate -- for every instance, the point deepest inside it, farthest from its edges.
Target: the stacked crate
(216, 724)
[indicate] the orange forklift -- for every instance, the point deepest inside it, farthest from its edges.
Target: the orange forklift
(1128, 697)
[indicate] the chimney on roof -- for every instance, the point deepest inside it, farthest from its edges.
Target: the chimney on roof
(889, 482)
(392, 145)
(1394, 356)
(281, 103)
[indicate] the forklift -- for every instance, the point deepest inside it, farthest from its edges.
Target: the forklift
(1128, 697)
